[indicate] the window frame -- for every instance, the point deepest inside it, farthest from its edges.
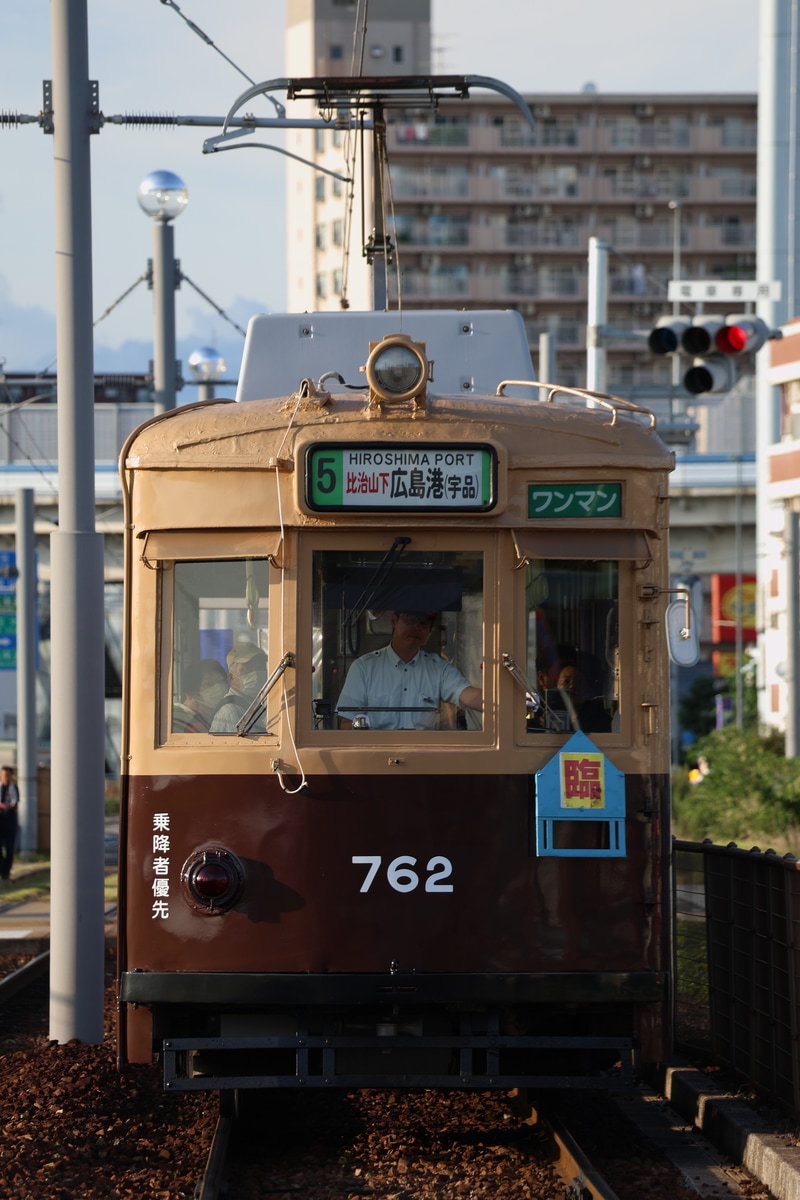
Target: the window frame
(423, 539)
(624, 734)
(210, 547)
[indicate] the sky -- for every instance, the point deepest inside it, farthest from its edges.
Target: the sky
(230, 238)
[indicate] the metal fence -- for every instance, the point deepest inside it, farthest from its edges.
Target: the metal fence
(737, 921)
(29, 434)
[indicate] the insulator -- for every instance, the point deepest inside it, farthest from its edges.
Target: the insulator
(149, 120)
(9, 118)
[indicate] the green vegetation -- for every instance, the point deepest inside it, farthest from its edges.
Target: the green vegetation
(34, 884)
(751, 794)
(112, 797)
(692, 965)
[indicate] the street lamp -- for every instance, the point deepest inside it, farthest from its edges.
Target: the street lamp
(163, 196)
(206, 365)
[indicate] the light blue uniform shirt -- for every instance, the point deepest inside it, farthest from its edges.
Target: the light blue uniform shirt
(382, 680)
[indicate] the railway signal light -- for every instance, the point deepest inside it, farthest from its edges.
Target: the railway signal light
(742, 334)
(714, 342)
(666, 337)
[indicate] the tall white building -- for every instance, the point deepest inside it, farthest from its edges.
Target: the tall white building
(324, 214)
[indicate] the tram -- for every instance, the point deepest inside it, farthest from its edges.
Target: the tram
(331, 882)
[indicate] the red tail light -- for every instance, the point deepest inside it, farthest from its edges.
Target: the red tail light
(212, 879)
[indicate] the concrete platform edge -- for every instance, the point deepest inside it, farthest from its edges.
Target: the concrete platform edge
(734, 1128)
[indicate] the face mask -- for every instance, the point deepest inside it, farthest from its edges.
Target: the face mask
(250, 683)
(212, 695)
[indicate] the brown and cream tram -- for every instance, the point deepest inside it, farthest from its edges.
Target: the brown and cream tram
(339, 875)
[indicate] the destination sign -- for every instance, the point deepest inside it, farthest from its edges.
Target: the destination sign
(574, 499)
(401, 476)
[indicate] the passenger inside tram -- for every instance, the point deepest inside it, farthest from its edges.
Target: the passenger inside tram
(568, 691)
(573, 645)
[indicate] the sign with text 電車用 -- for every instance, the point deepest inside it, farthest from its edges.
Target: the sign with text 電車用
(398, 476)
(574, 499)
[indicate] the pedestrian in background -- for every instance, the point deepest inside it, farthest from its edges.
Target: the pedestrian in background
(9, 804)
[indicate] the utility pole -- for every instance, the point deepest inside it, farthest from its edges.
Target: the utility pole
(547, 357)
(25, 542)
(777, 241)
(597, 315)
(76, 553)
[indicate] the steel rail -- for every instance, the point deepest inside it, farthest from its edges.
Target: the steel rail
(582, 1180)
(212, 1185)
(24, 976)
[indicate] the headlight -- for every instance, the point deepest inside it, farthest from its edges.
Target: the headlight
(397, 368)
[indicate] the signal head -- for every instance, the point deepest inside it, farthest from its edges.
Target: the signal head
(665, 338)
(698, 337)
(741, 334)
(712, 374)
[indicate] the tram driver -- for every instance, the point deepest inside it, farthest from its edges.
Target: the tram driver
(402, 685)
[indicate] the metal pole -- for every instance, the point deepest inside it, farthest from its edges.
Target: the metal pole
(547, 358)
(777, 215)
(78, 737)
(596, 314)
(26, 669)
(675, 205)
(164, 352)
(739, 655)
(792, 538)
(205, 391)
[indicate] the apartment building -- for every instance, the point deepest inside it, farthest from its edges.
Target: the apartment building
(489, 213)
(485, 212)
(329, 216)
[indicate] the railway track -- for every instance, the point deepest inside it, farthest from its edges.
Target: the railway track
(549, 1163)
(418, 1145)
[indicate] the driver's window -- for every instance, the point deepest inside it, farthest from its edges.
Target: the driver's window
(397, 640)
(572, 610)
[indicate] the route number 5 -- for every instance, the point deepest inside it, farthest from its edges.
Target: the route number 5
(401, 875)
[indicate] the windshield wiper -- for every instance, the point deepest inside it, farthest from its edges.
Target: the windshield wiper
(382, 572)
(259, 702)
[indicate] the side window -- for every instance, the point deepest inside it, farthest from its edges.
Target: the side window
(397, 640)
(572, 613)
(219, 642)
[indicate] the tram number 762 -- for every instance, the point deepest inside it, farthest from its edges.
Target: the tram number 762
(402, 877)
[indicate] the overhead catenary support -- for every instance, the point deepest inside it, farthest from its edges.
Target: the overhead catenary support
(77, 622)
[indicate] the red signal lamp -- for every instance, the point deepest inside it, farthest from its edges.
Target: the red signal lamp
(741, 334)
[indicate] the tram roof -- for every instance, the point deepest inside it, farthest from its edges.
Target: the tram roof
(226, 435)
(471, 354)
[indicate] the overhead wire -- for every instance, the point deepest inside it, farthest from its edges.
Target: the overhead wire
(286, 709)
(6, 412)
